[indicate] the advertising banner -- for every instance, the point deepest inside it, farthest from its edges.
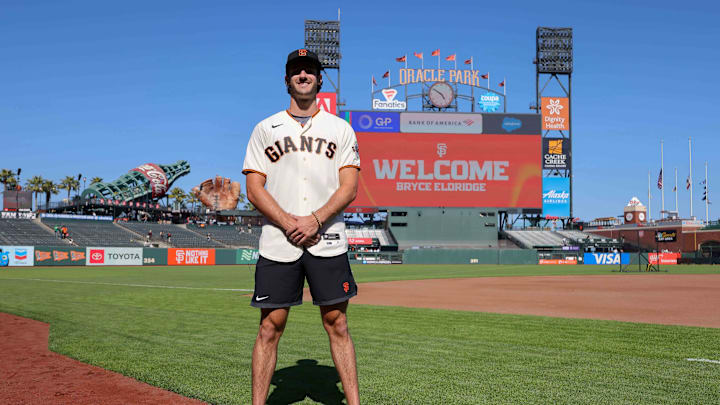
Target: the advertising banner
(567, 260)
(327, 102)
(489, 102)
(156, 176)
(669, 235)
(555, 113)
(449, 170)
(191, 257)
(59, 256)
(665, 258)
(606, 258)
(441, 123)
(518, 124)
(18, 255)
(556, 196)
(360, 241)
(247, 256)
(556, 153)
(98, 256)
(373, 121)
(389, 103)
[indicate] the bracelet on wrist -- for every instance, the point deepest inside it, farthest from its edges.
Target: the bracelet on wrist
(316, 219)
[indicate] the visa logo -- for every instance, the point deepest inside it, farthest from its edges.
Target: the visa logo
(607, 258)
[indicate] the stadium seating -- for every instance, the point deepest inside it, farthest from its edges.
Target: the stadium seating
(181, 237)
(534, 238)
(95, 233)
(374, 233)
(230, 235)
(26, 232)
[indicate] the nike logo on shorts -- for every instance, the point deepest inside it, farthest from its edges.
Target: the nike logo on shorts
(261, 298)
(275, 126)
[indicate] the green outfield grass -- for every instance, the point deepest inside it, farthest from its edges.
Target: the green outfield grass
(197, 340)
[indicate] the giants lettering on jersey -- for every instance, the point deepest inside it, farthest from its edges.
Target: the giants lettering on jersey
(307, 144)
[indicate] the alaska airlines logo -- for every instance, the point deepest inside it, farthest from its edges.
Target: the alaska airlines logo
(562, 195)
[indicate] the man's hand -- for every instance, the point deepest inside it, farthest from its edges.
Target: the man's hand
(222, 194)
(305, 230)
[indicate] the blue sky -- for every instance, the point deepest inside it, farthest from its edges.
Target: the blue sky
(100, 87)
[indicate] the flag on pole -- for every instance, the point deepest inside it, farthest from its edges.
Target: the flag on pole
(468, 61)
(674, 188)
(386, 74)
(451, 57)
(435, 52)
(373, 81)
(660, 179)
(687, 183)
(502, 83)
(486, 75)
(402, 58)
(418, 55)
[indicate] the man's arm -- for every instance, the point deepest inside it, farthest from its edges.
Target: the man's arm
(306, 227)
(265, 203)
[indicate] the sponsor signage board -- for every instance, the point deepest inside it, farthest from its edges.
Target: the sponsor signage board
(519, 124)
(18, 255)
(441, 123)
(556, 153)
(247, 256)
(112, 256)
(665, 258)
(389, 103)
(76, 216)
(567, 260)
(327, 102)
(59, 256)
(191, 257)
(449, 170)
(489, 102)
(555, 113)
(360, 241)
(606, 258)
(669, 235)
(156, 176)
(373, 121)
(465, 76)
(556, 196)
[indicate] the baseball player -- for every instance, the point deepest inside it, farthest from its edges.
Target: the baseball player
(302, 171)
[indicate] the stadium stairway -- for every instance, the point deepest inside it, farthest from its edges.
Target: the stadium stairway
(141, 237)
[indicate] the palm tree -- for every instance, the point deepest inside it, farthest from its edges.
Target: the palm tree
(178, 195)
(69, 183)
(192, 199)
(35, 185)
(7, 178)
(49, 187)
(96, 180)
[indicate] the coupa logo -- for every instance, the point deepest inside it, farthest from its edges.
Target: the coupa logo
(97, 256)
(490, 102)
(511, 124)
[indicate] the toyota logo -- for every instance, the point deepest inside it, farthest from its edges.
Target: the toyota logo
(97, 256)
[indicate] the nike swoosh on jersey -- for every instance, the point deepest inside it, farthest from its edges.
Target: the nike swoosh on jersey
(275, 126)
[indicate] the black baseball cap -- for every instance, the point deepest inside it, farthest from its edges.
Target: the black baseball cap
(303, 55)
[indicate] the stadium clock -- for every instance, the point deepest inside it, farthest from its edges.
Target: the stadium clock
(441, 94)
(629, 216)
(641, 216)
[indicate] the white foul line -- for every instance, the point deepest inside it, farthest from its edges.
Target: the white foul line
(705, 360)
(132, 285)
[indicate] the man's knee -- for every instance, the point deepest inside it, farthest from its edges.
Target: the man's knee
(336, 325)
(271, 327)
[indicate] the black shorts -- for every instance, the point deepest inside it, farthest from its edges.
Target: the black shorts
(279, 284)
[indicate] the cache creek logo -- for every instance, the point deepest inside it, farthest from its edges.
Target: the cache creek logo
(510, 124)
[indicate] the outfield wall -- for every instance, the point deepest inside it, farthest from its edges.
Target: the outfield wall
(470, 256)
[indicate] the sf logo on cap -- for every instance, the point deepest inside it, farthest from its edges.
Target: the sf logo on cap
(302, 52)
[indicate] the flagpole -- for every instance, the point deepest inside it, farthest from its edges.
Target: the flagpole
(649, 199)
(677, 210)
(504, 87)
(389, 79)
(405, 61)
(488, 80)
(707, 197)
(691, 179)
(662, 178)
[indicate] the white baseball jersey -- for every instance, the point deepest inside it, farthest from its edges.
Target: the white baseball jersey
(301, 165)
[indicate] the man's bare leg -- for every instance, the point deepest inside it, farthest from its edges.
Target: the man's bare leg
(272, 325)
(341, 346)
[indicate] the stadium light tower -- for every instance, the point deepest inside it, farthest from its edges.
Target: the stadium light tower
(323, 38)
(553, 61)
